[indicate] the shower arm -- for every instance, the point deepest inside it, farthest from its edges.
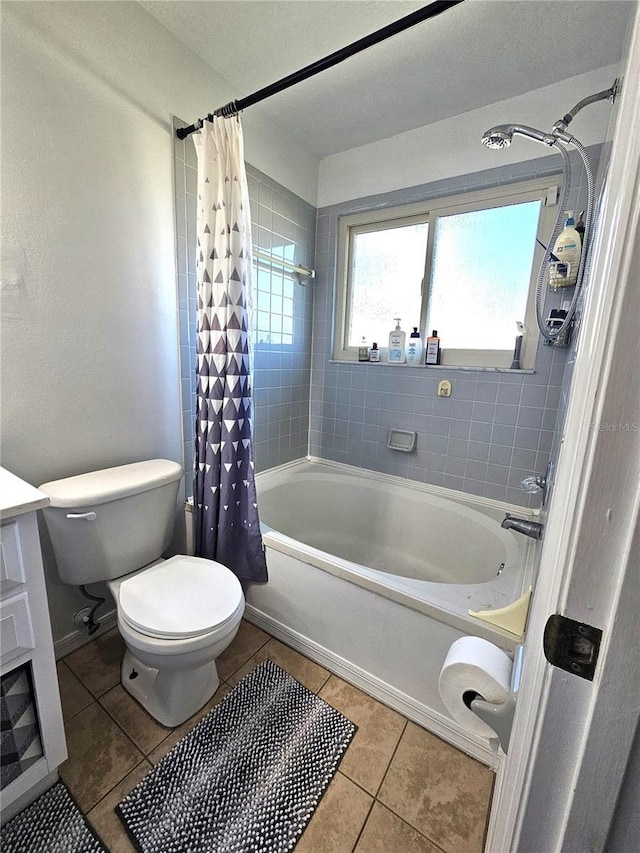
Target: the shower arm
(606, 94)
(501, 136)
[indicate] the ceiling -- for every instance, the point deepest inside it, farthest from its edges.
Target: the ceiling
(475, 54)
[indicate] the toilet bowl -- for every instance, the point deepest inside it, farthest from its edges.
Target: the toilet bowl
(177, 615)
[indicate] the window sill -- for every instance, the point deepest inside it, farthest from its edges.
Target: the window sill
(466, 369)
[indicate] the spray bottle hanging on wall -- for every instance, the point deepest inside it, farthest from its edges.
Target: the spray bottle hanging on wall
(563, 272)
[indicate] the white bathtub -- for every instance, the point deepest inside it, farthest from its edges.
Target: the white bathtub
(372, 576)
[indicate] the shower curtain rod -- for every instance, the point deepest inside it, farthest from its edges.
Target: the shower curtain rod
(234, 107)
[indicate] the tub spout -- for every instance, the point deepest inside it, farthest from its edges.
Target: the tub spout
(521, 525)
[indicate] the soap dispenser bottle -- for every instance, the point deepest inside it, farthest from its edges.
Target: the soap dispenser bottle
(414, 348)
(397, 338)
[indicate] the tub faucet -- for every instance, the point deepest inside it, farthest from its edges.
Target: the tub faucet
(521, 525)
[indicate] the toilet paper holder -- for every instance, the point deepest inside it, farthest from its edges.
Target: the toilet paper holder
(500, 717)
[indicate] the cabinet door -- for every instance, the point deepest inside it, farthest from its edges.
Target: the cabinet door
(16, 632)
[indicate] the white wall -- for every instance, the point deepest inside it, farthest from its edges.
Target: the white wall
(448, 148)
(90, 372)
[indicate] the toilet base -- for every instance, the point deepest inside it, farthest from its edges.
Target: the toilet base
(170, 696)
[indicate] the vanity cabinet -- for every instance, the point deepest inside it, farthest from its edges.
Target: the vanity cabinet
(33, 742)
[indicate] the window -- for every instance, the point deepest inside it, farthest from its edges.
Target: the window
(478, 254)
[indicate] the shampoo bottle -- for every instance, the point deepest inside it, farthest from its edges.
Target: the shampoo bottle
(397, 340)
(433, 349)
(414, 348)
(567, 249)
(374, 355)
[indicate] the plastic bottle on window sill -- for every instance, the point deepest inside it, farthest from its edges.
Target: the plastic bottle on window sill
(374, 355)
(397, 338)
(414, 348)
(433, 349)
(363, 350)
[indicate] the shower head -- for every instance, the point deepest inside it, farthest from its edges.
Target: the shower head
(498, 137)
(501, 136)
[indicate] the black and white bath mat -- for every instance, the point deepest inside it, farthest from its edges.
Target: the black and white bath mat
(249, 775)
(51, 824)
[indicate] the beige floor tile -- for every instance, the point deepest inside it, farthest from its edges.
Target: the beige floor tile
(100, 755)
(177, 734)
(379, 730)
(385, 832)
(104, 819)
(245, 644)
(301, 668)
(73, 696)
(441, 792)
(141, 727)
(338, 819)
(97, 664)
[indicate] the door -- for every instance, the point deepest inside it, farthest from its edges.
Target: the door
(558, 787)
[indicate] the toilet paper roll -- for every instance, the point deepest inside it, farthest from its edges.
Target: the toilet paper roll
(472, 666)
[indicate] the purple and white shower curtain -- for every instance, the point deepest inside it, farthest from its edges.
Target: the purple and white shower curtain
(227, 524)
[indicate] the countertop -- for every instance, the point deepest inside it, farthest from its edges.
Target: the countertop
(17, 497)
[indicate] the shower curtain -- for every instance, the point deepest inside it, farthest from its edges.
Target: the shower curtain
(226, 509)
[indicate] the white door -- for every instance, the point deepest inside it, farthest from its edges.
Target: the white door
(558, 787)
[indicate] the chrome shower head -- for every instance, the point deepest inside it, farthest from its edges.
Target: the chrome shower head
(501, 136)
(498, 137)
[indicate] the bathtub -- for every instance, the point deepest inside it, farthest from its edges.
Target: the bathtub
(372, 576)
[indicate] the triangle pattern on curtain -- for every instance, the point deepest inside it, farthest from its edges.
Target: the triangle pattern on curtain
(227, 521)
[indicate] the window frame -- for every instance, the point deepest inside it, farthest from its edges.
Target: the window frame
(545, 190)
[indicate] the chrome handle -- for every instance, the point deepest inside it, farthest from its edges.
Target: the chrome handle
(86, 516)
(534, 484)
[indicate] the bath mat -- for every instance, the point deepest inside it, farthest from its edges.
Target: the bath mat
(247, 778)
(51, 824)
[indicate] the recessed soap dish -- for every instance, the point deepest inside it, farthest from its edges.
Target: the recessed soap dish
(401, 439)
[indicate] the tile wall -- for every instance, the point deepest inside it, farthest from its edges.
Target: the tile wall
(283, 225)
(495, 429)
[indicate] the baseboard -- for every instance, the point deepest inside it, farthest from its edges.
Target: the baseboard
(388, 695)
(78, 638)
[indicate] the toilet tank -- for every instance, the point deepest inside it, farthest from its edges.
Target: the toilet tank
(108, 523)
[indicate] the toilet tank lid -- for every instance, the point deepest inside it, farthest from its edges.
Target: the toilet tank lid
(99, 487)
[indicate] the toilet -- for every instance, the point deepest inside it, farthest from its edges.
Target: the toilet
(177, 615)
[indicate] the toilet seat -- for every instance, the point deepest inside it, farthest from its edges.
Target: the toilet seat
(180, 598)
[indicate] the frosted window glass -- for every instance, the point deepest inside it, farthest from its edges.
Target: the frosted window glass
(480, 276)
(386, 281)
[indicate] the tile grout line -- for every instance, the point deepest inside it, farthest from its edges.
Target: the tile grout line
(364, 823)
(384, 776)
(123, 730)
(111, 790)
(395, 814)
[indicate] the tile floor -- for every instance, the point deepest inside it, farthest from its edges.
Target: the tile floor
(398, 789)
